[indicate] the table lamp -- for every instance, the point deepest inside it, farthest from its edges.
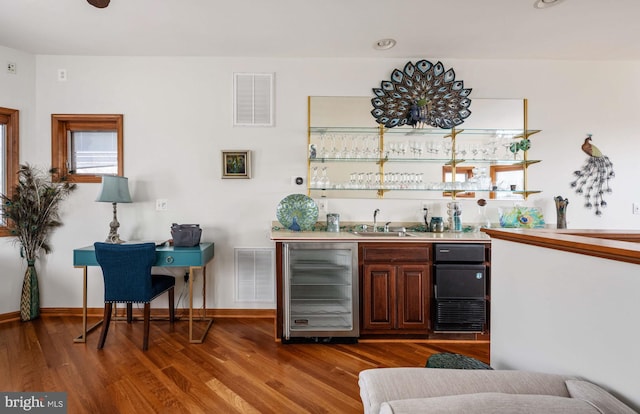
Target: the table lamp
(114, 190)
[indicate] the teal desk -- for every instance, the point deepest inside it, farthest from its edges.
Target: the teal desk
(192, 257)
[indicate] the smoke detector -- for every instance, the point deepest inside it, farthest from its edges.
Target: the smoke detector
(545, 4)
(384, 44)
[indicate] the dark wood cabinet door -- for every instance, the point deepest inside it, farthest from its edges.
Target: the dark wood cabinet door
(379, 297)
(413, 284)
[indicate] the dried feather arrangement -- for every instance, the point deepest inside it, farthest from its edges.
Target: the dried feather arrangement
(32, 210)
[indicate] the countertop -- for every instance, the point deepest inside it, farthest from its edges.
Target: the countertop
(620, 245)
(279, 234)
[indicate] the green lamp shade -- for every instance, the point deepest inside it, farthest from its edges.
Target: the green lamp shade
(115, 189)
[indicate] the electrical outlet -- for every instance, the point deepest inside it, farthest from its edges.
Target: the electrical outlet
(636, 208)
(12, 68)
(161, 204)
(62, 75)
(323, 205)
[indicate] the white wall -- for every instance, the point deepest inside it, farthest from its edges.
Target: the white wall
(17, 91)
(566, 313)
(177, 114)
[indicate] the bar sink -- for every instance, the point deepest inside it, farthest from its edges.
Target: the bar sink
(383, 234)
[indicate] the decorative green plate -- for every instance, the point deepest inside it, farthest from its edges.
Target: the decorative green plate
(527, 217)
(297, 212)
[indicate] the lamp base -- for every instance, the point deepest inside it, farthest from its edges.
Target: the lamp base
(114, 237)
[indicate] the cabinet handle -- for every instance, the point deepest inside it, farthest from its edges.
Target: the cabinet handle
(169, 259)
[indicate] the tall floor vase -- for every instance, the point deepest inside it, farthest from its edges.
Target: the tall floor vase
(30, 299)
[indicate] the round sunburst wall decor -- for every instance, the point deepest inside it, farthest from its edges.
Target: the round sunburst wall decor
(421, 94)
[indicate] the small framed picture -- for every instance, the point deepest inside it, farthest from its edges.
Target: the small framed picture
(236, 164)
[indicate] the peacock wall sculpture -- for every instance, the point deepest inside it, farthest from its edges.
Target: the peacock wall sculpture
(421, 94)
(592, 180)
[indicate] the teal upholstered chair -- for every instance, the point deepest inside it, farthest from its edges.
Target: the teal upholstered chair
(126, 269)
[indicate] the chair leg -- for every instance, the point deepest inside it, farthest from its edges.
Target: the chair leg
(172, 311)
(147, 316)
(129, 312)
(105, 324)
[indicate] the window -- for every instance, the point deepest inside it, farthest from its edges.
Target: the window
(86, 147)
(9, 139)
(463, 174)
(507, 178)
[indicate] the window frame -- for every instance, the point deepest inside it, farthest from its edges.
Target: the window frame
(468, 173)
(62, 124)
(10, 118)
(495, 170)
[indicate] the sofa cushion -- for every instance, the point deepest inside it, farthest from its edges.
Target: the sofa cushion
(388, 384)
(490, 403)
(598, 397)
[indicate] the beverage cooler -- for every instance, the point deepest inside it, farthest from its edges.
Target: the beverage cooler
(320, 286)
(460, 287)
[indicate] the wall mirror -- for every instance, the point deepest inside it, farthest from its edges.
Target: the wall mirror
(350, 156)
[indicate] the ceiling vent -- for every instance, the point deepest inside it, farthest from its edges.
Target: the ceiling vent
(253, 99)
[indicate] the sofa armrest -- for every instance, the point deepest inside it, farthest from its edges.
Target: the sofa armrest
(490, 403)
(389, 384)
(598, 397)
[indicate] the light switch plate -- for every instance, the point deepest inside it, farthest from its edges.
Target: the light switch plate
(161, 204)
(323, 205)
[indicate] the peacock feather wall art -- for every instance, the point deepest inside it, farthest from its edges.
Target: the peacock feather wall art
(592, 180)
(419, 95)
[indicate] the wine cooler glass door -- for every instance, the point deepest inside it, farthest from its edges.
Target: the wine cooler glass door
(321, 290)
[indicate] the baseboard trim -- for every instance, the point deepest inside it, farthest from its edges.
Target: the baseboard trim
(241, 313)
(9, 317)
(98, 312)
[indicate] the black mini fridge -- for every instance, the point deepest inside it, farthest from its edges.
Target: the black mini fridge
(460, 287)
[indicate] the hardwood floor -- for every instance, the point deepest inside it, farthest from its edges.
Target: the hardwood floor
(239, 369)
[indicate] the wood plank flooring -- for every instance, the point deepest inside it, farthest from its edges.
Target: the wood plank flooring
(239, 369)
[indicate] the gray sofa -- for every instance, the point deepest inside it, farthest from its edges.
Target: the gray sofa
(428, 390)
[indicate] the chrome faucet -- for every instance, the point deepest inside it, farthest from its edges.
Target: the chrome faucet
(375, 219)
(386, 226)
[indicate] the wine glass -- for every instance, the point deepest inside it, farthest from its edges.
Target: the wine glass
(324, 178)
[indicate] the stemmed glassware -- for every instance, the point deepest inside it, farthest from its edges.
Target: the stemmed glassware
(416, 148)
(361, 183)
(353, 150)
(353, 180)
(506, 143)
(340, 147)
(324, 178)
(433, 148)
(448, 145)
(322, 150)
(321, 181)
(332, 148)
